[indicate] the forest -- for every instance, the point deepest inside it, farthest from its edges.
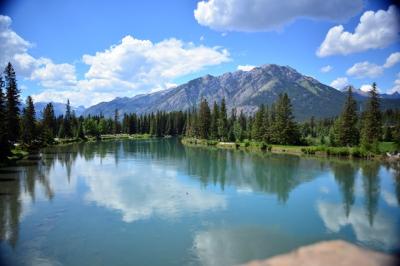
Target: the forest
(276, 124)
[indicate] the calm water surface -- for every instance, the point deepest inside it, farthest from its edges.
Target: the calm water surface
(157, 202)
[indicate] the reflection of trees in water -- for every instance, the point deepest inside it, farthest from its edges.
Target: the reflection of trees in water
(345, 176)
(371, 185)
(395, 166)
(13, 182)
(275, 174)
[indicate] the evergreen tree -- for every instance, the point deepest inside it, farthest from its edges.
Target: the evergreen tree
(116, 125)
(80, 133)
(285, 128)
(371, 131)
(28, 129)
(12, 105)
(214, 122)
(348, 132)
(49, 120)
(243, 124)
(67, 123)
(257, 131)
(4, 143)
(223, 122)
(204, 119)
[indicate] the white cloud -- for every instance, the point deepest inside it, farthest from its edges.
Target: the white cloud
(245, 67)
(340, 83)
(130, 67)
(10, 42)
(396, 87)
(375, 30)
(14, 49)
(392, 60)
(326, 69)
(138, 66)
(366, 87)
(263, 15)
(365, 70)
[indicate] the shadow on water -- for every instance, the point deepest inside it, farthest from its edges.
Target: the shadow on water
(260, 172)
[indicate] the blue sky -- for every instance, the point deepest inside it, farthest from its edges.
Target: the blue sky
(92, 51)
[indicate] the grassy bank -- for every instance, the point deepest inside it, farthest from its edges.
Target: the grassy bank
(59, 141)
(347, 152)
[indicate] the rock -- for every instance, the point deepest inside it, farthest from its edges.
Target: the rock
(335, 253)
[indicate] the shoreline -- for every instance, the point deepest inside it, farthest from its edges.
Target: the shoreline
(21, 156)
(352, 153)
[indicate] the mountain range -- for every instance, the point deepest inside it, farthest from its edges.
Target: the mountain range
(243, 90)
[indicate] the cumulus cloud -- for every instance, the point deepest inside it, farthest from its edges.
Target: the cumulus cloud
(340, 83)
(14, 49)
(375, 30)
(130, 67)
(326, 69)
(245, 67)
(396, 87)
(10, 42)
(263, 15)
(138, 66)
(366, 87)
(365, 70)
(392, 60)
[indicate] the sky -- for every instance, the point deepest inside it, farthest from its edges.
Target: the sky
(95, 50)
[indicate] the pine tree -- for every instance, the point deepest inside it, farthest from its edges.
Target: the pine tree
(116, 125)
(257, 131)
(67, 123)
(204, 119)
(12, 105)
(371, 131)
(223, 122)
(214, 121)
(28, 129)
(49, 120)
(4, 143)
(80, 133)
(348, 132)
(285, 128)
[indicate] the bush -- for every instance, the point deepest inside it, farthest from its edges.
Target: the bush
(246, 143)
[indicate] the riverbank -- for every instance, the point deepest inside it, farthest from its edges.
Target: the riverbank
(25, 155)
(325, 151)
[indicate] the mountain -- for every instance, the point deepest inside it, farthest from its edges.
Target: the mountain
(59, 108)
(362, 95)
(244, 90)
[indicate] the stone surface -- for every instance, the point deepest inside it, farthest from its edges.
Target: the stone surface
(337, 253)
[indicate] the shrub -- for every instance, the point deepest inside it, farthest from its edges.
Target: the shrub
(246, 143)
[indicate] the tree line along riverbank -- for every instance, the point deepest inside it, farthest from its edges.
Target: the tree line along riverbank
(365, 134)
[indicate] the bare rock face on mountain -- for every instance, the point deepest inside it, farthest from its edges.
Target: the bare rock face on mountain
(243, 90)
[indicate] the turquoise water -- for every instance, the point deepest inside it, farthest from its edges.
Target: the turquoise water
(157, 202)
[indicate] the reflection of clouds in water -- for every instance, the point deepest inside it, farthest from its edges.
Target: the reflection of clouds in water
(237, 245)
(389, 198)
(324, 189)
(145, 190)
(382, 232)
